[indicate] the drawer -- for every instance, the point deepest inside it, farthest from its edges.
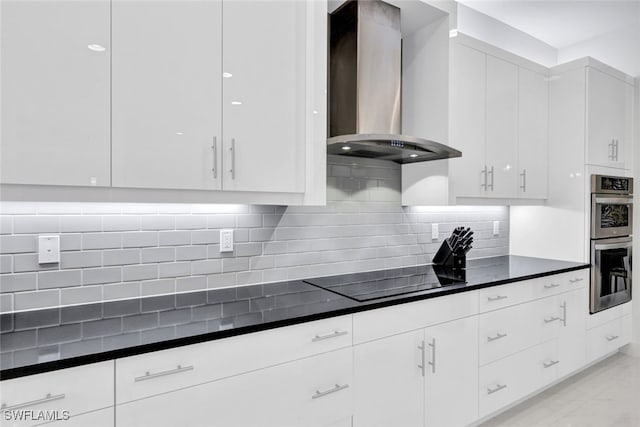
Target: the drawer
(559, 283)
(607, 338)
(397, 319)
(162, 371)
(316, 391)
(507, 380)
(77, 390)
(503, 296)
(507, 331)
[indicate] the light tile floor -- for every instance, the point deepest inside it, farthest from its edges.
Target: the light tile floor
(604, 395)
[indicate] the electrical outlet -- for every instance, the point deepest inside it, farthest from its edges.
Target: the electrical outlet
(226, 240)
(496, 228)
(48, 249)
(434, 232)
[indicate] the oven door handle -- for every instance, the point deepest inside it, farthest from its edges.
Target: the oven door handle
(621, 245)
(615, 200)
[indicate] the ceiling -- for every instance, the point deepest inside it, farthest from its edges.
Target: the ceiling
(562, 23)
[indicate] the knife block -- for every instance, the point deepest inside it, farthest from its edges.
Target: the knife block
(448, 258)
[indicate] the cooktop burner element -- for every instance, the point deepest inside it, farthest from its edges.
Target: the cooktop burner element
(374, 285)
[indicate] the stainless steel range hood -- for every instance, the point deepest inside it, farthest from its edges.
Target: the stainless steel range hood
(365, 87)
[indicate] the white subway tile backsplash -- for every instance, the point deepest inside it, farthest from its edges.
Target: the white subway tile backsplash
(139, 239)
(78, 224)
(113, 251)
(36, 224)
(95, 276)
(121, 257)
(18, 282)
(101, 241)
(59, 279)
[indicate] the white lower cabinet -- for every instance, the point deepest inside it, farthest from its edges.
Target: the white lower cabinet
(315, 391)
(388, 380)
(607, 338)
(451, 373)
(76, 390)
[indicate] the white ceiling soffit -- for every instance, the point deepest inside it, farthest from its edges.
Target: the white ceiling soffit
(561, 23)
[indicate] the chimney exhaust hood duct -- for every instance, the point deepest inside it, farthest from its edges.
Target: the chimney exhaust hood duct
(365, 87)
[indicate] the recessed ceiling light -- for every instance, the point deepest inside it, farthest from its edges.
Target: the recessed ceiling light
(227, 75)
(346, 148)
(96, 47)
(413, 155)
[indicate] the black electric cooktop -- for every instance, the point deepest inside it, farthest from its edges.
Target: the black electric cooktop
(373, 285)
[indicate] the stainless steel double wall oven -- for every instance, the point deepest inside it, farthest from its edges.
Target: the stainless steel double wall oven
(611, 241)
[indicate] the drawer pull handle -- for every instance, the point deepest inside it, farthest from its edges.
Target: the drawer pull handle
(550, 363)
(497, 337)
(551, 319)
(497, 389)
(148, 375)
(577, 279)
(612, 337)
(497, 298)
(551, 285)
(335, 389)
(47, 398)
(333, 334)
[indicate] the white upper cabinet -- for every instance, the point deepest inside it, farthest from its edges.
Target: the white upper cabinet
(467, 120)
(609, 120)
(166, 101)
(55, 93)
(533, 131)
(264, 95)
(501, 149)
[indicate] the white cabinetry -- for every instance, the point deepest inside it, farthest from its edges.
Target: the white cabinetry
(498, 120)
(55, 93)
(166, 94)
(609, 119)
(72, 390)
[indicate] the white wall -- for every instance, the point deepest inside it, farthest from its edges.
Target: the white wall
(620, 49)
(497, 33)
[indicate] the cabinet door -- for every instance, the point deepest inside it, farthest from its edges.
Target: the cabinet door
(572, 338)
(167, 94)
(389, 385)
(606, 117)
(55, 93)
(452, 373)
(264, 95)
(501, 148)
(467, 128)
(533, 114)
(316, 391)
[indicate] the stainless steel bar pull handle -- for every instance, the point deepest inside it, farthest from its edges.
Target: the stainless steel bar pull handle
(551, 285)
(551, 319)
(523, 175)
(48, 398)
(497, 298)
(432, 344)
(612, 337)
(610, 145)
(214, 148)
(564, 313)
(233, 158)
(616, 146)
(496, 337)
(422, 366)
(577, 279)
(484, 181)
(148, 375)
(496, 389)
(333, 334)
(492, 176)
(550, 363)
(335, 389)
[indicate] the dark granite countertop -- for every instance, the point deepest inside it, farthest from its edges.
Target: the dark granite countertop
(43, 340)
